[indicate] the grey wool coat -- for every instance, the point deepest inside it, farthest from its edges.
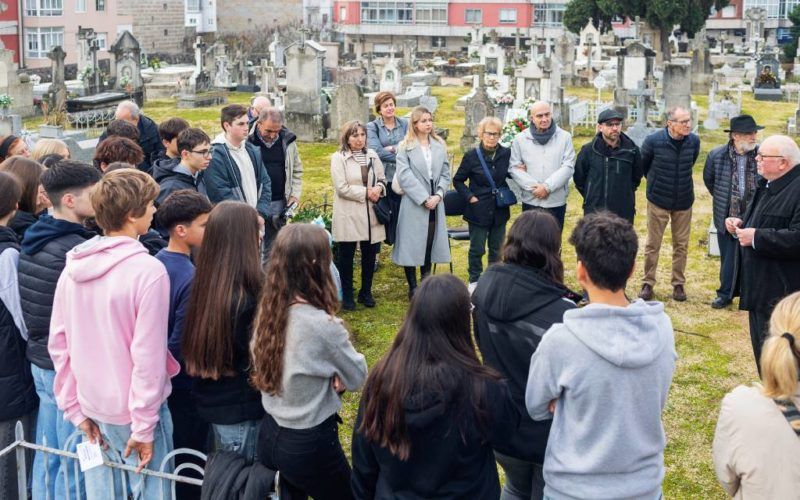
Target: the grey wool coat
(412, 220)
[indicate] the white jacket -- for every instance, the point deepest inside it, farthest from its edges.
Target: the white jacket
(551, 164)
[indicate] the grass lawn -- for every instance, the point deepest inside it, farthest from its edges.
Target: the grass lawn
(713, 346)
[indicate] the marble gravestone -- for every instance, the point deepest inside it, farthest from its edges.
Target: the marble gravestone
(127, 69)
(348, 103)
(18, 87)
(305, 105)
(767, 81)
(478, 107)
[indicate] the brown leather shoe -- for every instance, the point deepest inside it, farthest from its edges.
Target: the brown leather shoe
(678, 293)
(647, 292)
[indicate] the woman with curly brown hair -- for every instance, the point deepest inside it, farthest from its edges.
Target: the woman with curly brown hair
(302, 360)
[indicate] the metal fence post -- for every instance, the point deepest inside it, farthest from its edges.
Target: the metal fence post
(22, 471)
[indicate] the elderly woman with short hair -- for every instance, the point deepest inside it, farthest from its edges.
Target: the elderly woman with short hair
(487, 221)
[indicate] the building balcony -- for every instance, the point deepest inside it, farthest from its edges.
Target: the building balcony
(421, 30)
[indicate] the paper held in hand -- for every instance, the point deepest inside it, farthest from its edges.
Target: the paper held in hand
(90, 455)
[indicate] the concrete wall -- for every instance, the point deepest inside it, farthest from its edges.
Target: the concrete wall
(158, 25)
(238, 16)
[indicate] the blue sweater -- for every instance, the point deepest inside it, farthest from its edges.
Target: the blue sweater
(181, 273)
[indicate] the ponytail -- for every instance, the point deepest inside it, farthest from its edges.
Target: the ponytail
(779, 356)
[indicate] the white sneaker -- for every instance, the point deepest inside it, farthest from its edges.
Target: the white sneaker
(472, 287)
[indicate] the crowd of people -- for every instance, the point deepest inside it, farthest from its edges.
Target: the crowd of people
(157, 300)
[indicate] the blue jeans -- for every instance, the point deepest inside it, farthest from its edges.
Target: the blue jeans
(241, 438)
(51, 425)
(100, 481)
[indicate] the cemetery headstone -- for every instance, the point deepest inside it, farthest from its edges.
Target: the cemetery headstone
(127, 70)
(635, 64)
(430, 102)
(640, 130)
(677, 84)
(304, 103)
(391, 77)
(277, 51)
(767, 83)
(348, 102)
(18, 87)
(478, 107)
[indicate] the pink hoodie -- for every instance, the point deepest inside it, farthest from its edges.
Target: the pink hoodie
(108, 336)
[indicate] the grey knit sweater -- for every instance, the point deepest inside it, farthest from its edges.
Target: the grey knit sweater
(317, 348)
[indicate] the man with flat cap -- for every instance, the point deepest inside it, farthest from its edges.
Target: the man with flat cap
(731, 175)
(609, 169)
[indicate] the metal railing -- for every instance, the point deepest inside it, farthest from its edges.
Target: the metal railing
(91, 123)
(113, 461)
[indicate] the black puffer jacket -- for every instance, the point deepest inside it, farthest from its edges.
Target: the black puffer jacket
(514, 307)
(607, 178)
(43, 256)
(668, 171)
(21, 222)
(231, 400)
(718, 178)
(484, 213)
(229, 477)
(17, 392)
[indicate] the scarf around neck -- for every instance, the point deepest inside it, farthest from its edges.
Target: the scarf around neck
(542, 138)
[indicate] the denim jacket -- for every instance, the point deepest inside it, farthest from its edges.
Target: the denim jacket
(378, 137)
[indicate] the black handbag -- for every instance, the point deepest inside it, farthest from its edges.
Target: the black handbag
(383, 208)
(503, 196)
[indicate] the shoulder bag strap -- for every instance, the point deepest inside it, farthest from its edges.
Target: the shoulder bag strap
(485, 168)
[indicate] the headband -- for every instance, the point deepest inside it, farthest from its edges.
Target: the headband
(790, 338)
(6, 145)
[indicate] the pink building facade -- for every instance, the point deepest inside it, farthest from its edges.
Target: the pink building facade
(47, 23)
(442, 25)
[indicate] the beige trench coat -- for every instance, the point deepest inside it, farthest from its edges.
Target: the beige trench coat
(756, 452)
(353, 216)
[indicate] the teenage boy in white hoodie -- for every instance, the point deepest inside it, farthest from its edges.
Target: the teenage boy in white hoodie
(603, 376)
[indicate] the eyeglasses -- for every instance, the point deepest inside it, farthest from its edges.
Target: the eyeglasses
(492, 134)
(613, 124)
(682, 122)
(205, 153)
(759, 155)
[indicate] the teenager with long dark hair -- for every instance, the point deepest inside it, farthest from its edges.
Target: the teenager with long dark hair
(302, 361)
(431, 412)
(216, 339)
(515, 303)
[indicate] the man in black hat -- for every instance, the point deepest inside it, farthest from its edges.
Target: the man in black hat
(609, 169)
(730, 174)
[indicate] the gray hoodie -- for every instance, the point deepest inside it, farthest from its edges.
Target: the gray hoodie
(610, 369)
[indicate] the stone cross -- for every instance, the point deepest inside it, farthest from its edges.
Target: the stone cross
(638, 24)
(304, 32)
(58, 88)
(517, 36)
(481, 70)
(641, 93)
(199, 47)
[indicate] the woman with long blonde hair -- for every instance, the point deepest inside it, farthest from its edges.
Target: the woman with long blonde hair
(757, 442)
(302, 359)
(423, 174)
(46, 146)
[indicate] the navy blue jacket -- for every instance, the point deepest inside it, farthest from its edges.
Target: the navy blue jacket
(669, 172)
(224, 181)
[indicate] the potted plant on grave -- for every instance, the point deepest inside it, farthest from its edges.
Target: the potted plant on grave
(502, 103)
(54, 121)
(5, 103)
(126, 84)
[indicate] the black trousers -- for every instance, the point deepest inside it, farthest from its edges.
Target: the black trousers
(759, 330)
(425, 270)
(558, 212)
(727, 252)
(311, 461)
(189, 431)
(347, 253)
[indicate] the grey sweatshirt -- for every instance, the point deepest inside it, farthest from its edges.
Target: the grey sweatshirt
(610, 369)
(317, 348)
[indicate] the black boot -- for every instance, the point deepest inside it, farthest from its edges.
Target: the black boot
(365, 293)
(411, 278)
